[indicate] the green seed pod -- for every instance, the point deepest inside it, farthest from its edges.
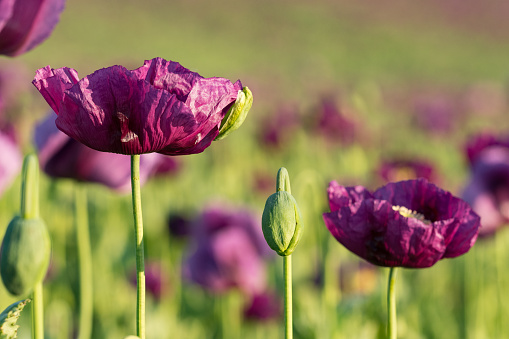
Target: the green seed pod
(26, 247)
(25, 254)
(236, 114)
(282, 223)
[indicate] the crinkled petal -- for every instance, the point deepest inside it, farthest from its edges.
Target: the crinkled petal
(52, 83)
(340, 196)
(168, 75)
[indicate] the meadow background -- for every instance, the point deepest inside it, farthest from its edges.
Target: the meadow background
(375, 60)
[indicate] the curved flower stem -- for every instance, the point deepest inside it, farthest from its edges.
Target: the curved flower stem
(85, 261)
(392, 331)
(287, 276)
(38, 312)
(140, 260)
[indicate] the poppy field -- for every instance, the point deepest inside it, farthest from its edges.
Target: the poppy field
(273, 169)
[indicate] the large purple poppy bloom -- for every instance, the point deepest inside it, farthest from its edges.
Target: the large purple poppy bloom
(488, 188)
(160, 107)
(26, 23)
(228, 251)
(64, 157)
(408, 223)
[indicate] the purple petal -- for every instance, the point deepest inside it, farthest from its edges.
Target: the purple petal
(27, 23)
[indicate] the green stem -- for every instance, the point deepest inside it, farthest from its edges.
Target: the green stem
(38, 312)
(287, 276)
(140, 260)
(85, 262)
(30, 210)
(392, 330)
(30, 188)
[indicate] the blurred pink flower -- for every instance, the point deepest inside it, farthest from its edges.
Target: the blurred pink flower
(63, 157)
(26, 23)
(228, 251)
(488, 188)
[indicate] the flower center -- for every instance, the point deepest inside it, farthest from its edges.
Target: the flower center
(408, 213)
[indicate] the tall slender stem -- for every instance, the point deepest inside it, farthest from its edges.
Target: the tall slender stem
(85, 261)
(38, 312)
(392, 330)
(140, 260)
(30, 210)
(287, 276)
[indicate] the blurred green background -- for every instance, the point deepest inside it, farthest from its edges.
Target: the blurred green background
(373, 58)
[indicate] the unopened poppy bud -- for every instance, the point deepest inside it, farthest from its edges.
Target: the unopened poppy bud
(281, 219)
(26, 246)
(236, 114)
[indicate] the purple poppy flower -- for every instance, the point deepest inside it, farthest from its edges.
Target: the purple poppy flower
(160, 107)
(332, 123)
(477, 144)
(276, 129)
(436, 113)
(179, 225)
(26, 23)
(405, 169)
(10, 161)
(14, 80)
(264, 307)
(409, 223)
(63, 157)
(228, 251)
(488, 189)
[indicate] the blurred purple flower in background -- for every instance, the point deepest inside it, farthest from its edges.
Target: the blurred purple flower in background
(10, 161)
(409, 223)
(179, 225)
(228, 251)
(277, 129)
(26, 23)
(265, 306)
(160, 107)
(329, 122)
(488, 188)
(435, 113)
(63, 157)
(14, 81)
(156, 279)
(405, 169)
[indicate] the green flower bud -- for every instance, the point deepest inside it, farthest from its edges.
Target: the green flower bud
(281, 219)
(236, 114)
(24, 255)
(26, 246)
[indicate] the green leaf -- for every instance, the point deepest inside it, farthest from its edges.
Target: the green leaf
(8, 319)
